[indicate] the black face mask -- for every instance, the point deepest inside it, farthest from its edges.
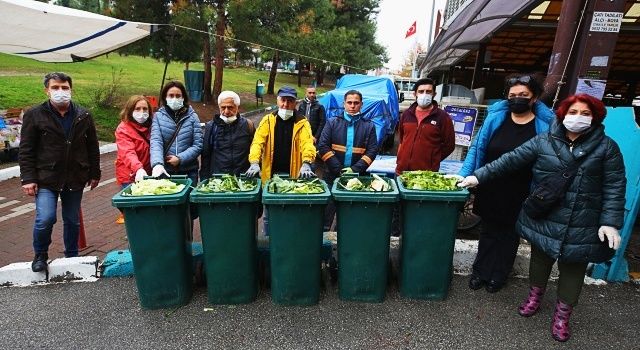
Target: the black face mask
(519, 105)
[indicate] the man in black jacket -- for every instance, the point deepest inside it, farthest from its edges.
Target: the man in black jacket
(227, 139)
(314, 112)
(58, 157)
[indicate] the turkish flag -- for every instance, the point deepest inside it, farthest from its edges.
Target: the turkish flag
(411, 31)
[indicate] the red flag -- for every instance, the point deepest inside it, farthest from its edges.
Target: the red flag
(411, 31)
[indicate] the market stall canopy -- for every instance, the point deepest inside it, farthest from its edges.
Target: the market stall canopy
(51, 33)
(473, 23)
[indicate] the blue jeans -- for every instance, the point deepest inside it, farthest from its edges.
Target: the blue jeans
(46, 205)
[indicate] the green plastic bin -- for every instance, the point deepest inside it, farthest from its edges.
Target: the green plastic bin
(364, 229)
(159, 233)
(228, 225)
(429, 223)
(295, 225)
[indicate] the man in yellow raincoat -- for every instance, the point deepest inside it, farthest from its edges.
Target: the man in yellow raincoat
(283, 142)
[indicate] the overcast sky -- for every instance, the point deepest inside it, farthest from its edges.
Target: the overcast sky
(395, 18)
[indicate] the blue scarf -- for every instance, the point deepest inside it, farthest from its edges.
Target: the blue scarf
(351, 119)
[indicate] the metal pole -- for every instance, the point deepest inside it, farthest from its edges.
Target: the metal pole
(482, 50)
(166, 63)
(433, 8)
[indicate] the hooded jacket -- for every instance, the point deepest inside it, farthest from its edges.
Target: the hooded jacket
(132, 140)
(302, 148)
(595, 198)
(498, 112)
(50, 159)
(187, 144)
(226, 147)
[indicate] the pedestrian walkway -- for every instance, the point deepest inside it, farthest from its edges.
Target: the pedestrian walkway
(17, 212)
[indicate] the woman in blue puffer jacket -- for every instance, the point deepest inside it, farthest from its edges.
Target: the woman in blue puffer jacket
(176, 135)
(509, 124)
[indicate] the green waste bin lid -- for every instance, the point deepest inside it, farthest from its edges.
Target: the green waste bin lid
(120, 201)
(460, 195)
(225, 197)
(289, 198)
(342, 195)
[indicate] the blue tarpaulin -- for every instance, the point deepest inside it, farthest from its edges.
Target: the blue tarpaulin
(380, 101)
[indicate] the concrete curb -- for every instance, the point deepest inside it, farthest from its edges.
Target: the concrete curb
(85, 269)
(14, 171)
(78, 269)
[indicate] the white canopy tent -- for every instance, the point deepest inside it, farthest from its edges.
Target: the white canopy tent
(51, 33)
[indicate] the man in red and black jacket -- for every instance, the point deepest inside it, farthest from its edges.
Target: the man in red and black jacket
(426, 132)
(347, 141)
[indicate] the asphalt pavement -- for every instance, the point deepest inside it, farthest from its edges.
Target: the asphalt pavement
(106, 315)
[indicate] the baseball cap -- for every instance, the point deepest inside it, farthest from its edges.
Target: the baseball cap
(287, 91)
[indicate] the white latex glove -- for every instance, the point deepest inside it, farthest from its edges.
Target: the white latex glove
(140, 174)
(158, 170)
(305, 171)
(458, 178)
(612, 236)
(253, 171)
(469, 181)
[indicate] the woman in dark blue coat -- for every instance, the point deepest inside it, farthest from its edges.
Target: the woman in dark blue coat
(583, 226)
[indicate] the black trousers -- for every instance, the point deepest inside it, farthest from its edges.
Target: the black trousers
(497, 249)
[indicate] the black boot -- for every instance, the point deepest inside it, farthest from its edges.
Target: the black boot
(39, 262)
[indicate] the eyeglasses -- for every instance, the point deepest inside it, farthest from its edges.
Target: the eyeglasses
(525, 79)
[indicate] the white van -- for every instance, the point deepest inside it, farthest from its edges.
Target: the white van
(404, 86)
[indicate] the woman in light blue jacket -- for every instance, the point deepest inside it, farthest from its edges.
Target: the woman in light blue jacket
(176, 135)
(509, 124)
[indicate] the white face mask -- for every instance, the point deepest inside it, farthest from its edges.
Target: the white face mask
(577, 123)
(285, 114)
(175, 103)
(424, 100)
(140, 117)
(228, 120)
(60, 96)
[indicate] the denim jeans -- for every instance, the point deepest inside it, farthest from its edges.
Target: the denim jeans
(46, 206)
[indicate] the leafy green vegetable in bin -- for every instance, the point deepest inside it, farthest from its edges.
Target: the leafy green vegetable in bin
(426, 180)
(226, 183)
(152, 187)
(378, 184)
(294, 186)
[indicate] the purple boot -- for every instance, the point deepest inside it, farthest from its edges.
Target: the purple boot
(560, 326)
(532, 303)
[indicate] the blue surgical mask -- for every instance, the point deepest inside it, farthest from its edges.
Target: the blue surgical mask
(140, 117)
(577, 123)
(175, 103)
(285, 114)
(228, 120)
(424, 100)
(60, 96)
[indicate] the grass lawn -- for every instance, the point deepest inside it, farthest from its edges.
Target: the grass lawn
(21, 83)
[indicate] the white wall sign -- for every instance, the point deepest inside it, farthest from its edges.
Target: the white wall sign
(599, 61)
(606, 22)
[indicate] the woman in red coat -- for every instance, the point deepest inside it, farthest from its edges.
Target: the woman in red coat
(132, 139)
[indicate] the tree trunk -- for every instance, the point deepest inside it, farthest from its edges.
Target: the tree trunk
(221, 24)
(206, 57)
(320, 74)
(299, 72)
(272, 74)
